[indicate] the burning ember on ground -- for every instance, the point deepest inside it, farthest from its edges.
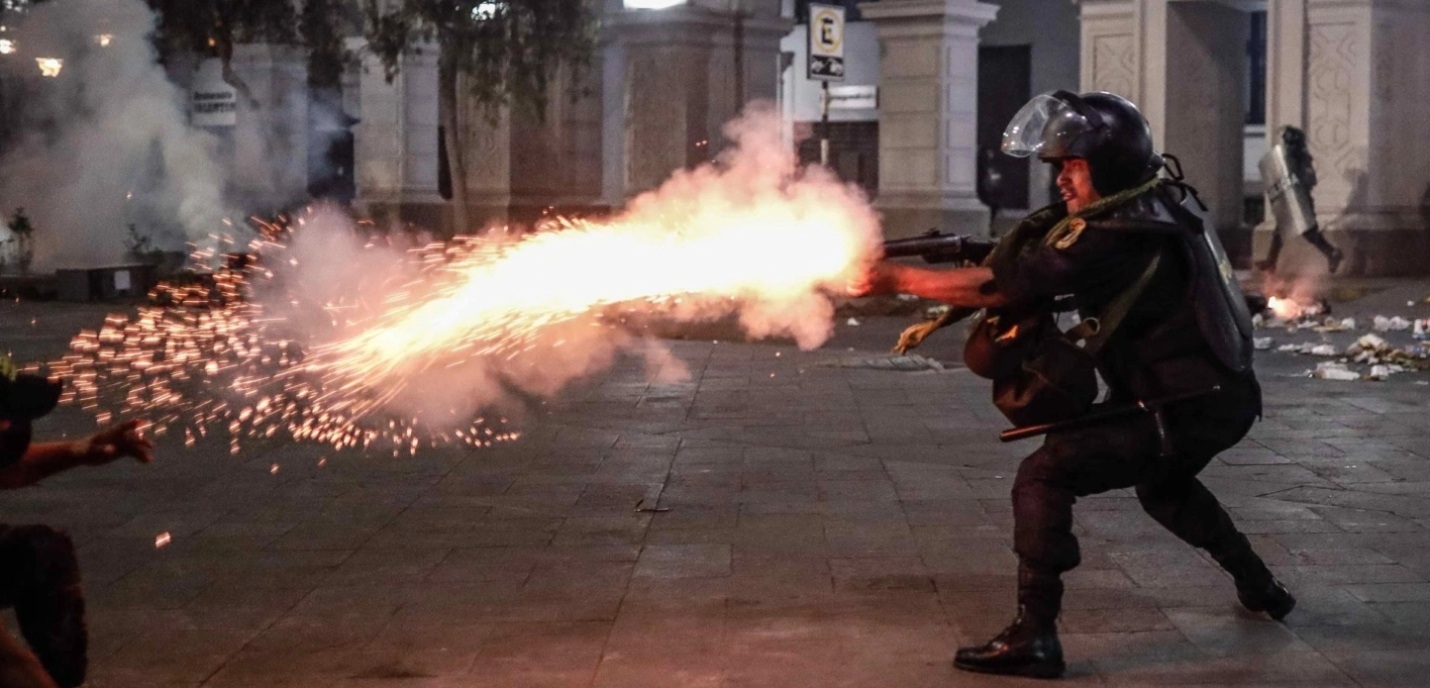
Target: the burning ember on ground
(330, 335)
(1285, 309)
(1291, 309)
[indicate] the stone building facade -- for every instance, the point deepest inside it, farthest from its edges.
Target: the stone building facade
(1354, 74)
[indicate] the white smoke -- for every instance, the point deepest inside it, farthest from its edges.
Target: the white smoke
(107, 143)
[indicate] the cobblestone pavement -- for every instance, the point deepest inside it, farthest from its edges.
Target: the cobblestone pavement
(820, 525)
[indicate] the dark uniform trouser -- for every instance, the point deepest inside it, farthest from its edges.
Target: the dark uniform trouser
(1116, 456)
(39, 578)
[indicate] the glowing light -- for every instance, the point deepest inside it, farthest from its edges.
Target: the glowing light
(104, 39)
(1285, 309)
(485, 10)
(162, 539)
(50, 66)
(7, 46)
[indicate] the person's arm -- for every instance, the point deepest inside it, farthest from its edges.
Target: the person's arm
(44, 459)
(960, 287)
(1095, 261)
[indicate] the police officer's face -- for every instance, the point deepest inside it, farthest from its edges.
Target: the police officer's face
(1075, 183)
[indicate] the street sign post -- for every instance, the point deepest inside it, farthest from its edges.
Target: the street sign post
(826, 61)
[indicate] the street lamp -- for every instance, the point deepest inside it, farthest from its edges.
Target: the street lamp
(7, 46)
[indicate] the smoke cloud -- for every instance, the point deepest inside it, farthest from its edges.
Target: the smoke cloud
(751, 235)
(107, 143)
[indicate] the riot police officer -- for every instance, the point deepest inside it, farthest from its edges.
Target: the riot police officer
(1289, 175)
(1120, 225)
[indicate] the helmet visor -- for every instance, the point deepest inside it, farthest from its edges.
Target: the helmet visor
(1047, 126)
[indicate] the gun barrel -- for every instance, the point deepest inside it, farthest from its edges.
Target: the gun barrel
(939, 248)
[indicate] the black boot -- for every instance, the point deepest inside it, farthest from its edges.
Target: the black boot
(1256, 588)
(1333, 255)
(1028, 647)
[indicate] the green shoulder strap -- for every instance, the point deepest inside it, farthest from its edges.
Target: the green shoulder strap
(1096, 331)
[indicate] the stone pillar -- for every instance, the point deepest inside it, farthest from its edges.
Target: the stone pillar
(1183, 62)
(928, 105)
(1355, 76)
(488, 154)
(396, 141)
(270, 140)
(671, 83)
(556, 161)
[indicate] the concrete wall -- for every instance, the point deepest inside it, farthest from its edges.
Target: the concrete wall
(1052, 28)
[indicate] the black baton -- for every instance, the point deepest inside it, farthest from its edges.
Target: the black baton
(1153, 407)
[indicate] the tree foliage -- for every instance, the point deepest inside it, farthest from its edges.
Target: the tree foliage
(507, 50)
(213, 27)
(323, 26)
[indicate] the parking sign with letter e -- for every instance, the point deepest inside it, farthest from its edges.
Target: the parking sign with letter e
(826, 42)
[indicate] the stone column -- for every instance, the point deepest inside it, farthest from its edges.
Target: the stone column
(1355, 76)
(270, 141)
(1184, 64)
(556, 161)
(928, 105)
(671, 82)
(396, 141)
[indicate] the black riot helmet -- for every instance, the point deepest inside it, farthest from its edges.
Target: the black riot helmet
(1104, 129)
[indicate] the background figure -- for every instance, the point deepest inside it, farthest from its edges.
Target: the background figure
(39, 574)
(1289, 176)
(990, 184)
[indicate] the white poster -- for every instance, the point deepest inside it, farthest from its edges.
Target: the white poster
(214, 102)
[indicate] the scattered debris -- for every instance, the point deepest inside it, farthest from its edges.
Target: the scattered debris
(1380, 372)
(1333, 325)
(1392, 324)
(1308, 348)
(162, 539)
(1261, 343)
(1335, 370)
(852, 322)
(1368, 342)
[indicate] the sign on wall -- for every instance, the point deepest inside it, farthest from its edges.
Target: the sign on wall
(213, 102)
(853, 97)
(826, 42)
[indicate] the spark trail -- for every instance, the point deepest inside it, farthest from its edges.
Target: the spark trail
(334, 337)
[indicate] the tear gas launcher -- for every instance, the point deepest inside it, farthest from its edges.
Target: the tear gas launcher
(936, 247)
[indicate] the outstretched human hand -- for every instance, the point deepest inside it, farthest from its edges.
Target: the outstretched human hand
(125, 440)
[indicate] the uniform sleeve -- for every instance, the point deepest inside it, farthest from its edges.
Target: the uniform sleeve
(1100, 263)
